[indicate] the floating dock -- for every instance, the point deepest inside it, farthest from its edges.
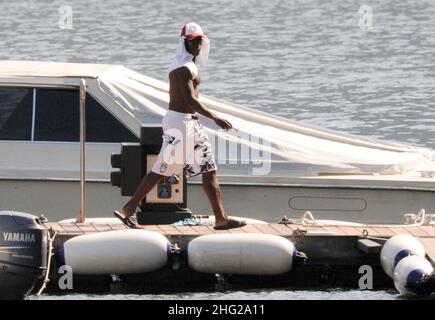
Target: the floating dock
(335, 256)
(104, 256)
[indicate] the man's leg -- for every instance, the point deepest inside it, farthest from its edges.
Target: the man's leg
(211, 187)
(145, 186)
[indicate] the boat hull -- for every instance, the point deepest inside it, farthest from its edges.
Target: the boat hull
(59, 200)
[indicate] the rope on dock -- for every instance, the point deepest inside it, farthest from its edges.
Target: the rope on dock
(50, 254)
(413, 220)
(174, 248)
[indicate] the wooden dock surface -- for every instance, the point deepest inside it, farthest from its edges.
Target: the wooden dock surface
(285, 230)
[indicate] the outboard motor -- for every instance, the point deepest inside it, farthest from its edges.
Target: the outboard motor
(23, 253)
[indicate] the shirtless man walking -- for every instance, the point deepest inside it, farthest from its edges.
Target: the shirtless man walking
(182, 128)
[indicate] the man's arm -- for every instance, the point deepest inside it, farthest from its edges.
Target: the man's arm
(185, 83)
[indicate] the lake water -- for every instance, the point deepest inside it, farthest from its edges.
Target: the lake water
(258, 294)
(321, 62)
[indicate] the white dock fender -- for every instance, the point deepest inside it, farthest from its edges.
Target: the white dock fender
(398, 247)
(411, 275)
(116, 252)
(238, 253)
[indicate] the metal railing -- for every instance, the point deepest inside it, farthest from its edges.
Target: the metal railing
(82, 216)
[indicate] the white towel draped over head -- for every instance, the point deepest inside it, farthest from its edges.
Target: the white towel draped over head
(184, 58)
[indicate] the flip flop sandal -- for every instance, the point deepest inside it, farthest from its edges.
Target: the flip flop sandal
(231, 224)
(126, 220)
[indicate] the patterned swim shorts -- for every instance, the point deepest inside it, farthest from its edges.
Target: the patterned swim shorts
(185, 145)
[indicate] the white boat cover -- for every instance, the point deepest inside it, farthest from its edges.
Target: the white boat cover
(263, 144)
(260, 144)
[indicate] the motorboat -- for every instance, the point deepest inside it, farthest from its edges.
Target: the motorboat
(269, 166)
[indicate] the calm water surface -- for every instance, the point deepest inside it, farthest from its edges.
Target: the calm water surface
(260, 294)
(308, 60)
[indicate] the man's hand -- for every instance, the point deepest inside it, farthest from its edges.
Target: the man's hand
(224, 124)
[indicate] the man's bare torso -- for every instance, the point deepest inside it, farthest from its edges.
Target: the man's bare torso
(177, 102)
